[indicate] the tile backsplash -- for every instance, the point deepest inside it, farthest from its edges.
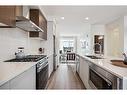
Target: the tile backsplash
(12, 38)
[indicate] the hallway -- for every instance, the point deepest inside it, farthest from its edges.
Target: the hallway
(65, 77)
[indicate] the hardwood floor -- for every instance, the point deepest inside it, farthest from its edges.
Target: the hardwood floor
(65, 77)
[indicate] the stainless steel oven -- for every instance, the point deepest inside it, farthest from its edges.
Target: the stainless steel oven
(102, 79)
(42, 73)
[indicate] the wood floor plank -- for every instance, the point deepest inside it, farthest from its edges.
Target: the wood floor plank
(65, 77)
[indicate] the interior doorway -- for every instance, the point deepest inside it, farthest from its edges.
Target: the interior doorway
(99, 44)
(67, 49)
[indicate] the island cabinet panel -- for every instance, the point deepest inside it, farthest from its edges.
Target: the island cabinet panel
(5, 86)
(26, 80)
(84, 72)
(38, 18)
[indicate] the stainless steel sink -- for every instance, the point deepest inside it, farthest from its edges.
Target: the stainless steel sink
(93, 57)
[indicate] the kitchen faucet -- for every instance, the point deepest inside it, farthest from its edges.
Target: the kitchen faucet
(125, 58)
(100, 48)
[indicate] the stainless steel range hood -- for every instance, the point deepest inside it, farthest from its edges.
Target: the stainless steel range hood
(27, 25)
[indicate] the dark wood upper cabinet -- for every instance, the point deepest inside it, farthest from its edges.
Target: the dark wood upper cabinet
(19, 10)
(8, 15)
(38, 18)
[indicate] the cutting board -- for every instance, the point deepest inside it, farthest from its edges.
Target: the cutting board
(119, 63)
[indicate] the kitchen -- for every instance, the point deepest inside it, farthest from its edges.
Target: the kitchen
(30, 46)
(22, 42)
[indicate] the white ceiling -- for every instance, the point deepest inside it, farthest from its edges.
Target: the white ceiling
(75, 15)
(97, 14)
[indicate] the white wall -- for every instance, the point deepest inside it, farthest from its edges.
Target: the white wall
(11, 39)
(98, 29)
(125, 34)
(85, 35)
(72, 29)
(34, 45)
(115, 37)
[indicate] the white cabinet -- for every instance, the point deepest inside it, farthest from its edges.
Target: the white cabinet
(26, 80)
(5, 86)
(84, 71)
(50, 61)
(81, 69)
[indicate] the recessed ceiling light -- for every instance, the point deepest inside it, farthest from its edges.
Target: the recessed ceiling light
(87, 18)
(62, 18)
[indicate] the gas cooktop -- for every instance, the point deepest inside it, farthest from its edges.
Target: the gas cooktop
(28, 58)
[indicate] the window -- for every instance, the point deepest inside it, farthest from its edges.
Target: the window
(68, 43)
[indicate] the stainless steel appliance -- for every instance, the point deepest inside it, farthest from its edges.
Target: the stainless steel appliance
(28, 58)
(42, 73)
(102, 79)
(26, 24)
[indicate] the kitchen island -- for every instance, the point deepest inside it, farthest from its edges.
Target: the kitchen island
(18, 75)
(105, 64)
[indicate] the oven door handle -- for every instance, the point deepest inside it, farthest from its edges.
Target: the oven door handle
(101, 76)
(43, 63)
(40, 68)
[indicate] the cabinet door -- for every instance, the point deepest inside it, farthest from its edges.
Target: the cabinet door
(81, 69)
(5, 86)
(50, 61)
(43, 25)
(8, 16)
(26, 80)
(37, 17)
(34, 16)
(84, 71)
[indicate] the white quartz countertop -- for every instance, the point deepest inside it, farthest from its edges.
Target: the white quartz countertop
(106, 64)
(9, 70)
